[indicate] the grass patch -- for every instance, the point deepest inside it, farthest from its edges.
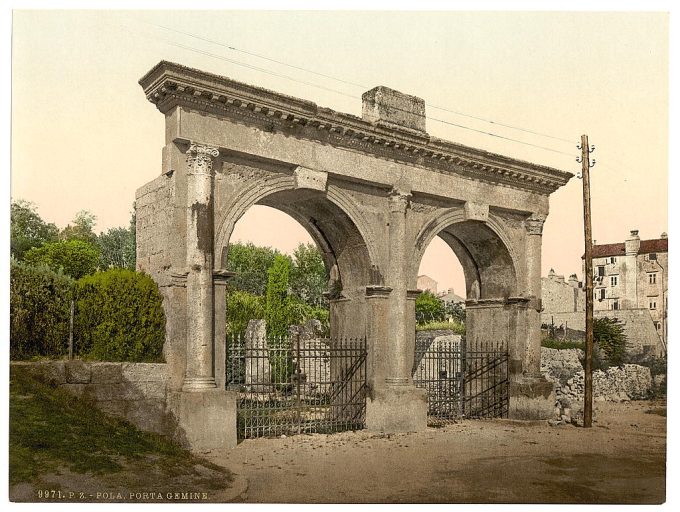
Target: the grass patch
(562, 345)
(50, 429)
(441, 326)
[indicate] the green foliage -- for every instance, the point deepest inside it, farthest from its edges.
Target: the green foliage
(429, 308)
(609, 336)
(40, 303)
(73, 257)
(251, 264)
(562, 345)
(277, 295)
(27, 229)
(50, 429)
(82, 228)
(456, 327)
(455, 311)
(308, 279)
(242, 307)
(119, 317)
(117, 247)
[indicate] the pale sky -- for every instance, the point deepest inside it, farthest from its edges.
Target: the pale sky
(85, 137)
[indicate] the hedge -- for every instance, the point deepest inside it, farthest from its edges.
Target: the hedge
(40, 301)
(120, 317)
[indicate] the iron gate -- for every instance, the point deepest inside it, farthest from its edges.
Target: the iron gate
(462, 381)
(290, 386)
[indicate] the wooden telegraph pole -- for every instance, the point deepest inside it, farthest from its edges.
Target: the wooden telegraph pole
(585, 170)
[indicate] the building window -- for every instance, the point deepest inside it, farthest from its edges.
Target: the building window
(600, 271)
(652, 278)
(652, 304)
(614, 280)
(612, 260)
(615, 305)
(601, 296)
(657, 325)
(652, 256)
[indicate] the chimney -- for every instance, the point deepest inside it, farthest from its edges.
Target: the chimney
(633, 243)
(450, 291)
(664, 235)
(393, 109)
(573, 281)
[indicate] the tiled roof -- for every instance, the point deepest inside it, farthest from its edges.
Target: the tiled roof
(646, 246)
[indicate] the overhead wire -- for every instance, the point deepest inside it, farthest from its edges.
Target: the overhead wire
(355, 84)
(335, 91)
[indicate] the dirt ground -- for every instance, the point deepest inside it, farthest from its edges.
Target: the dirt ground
(620, 460)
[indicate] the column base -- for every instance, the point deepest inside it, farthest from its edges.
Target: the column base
(199, 384)
(531, 398)
(204, 421)
(397, 409)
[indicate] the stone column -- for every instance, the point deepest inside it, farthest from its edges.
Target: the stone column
(532, 359)
(398, 374)
(200, 373)
(396, 404)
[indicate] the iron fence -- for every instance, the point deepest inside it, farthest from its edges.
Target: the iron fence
(462, 381)
(289, 385)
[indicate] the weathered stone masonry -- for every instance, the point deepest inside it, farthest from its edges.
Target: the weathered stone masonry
(372, 192)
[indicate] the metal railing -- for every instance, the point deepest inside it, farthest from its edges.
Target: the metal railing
(462, 381)
(289, 385)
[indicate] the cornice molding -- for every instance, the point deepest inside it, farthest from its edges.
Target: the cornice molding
(169, 85)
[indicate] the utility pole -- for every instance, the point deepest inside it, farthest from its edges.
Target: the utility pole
(587, 228)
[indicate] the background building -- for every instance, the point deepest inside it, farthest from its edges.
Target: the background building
(630, 278)
(426, 283)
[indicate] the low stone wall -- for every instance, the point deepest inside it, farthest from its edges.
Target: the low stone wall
(136, 392)
(560, 365)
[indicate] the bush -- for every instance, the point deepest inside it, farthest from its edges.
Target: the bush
(562, 345)
(242, 307)
(429, 308)
(73, 257)
(119, 317)
(456, 327)
(608, 335)
(40, 301)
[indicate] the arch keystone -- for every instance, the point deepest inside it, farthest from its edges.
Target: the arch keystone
(310, 179)
(476, 211)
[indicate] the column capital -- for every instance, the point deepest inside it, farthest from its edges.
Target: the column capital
(398, 200)
(200, 158)
(534, 224)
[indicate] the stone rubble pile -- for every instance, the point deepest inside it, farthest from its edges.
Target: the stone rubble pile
(616, 384)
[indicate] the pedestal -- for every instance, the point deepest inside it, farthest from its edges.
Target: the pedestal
(531, 398)
(397, 409)
(205, 420)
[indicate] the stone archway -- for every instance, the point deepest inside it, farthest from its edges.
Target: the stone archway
(372, 191)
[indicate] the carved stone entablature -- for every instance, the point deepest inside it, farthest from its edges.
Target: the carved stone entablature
(398, 201)
(238, 173)
(476, 211)
(378, 291)
(200, 158)
(534, 224)
(169, 85)
(422, 207)
(311, 179)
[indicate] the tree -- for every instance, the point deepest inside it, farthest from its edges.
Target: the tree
(277, 295)
(308, 279)
(117, 249)
(456, 311)
(609, 336)
(82, 228)
(27, 229)
(251, 264)
(429, 308)
(73, 257)
(242, 307)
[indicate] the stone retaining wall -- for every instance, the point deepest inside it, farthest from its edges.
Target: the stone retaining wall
(136, 392)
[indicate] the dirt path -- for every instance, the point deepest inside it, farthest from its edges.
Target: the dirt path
(620, 460)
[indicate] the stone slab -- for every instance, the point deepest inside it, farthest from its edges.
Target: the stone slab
(397, 409)
(105, 373)
(78, 372)
(205, 420)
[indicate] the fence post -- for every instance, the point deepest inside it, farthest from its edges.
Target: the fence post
(70, 331)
